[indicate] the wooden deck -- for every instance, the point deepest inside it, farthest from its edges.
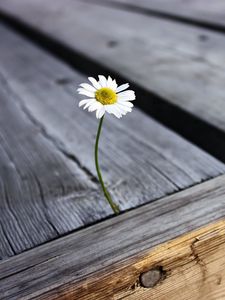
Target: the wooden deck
(164, 163)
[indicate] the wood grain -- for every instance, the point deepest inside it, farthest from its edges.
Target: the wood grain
(205, 13)
(181, 64)
(193, 268)
(105, 261)
(35, 175)
(48, 182)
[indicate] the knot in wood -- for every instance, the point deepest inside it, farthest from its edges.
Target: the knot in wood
(150, 278)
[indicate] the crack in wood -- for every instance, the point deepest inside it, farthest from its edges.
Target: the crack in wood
(45, 206)
(58, 144)
(199, 261)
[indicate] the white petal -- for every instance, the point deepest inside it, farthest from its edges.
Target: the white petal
(100, 112)
(114, 85)
(88, 87)
(89, 103)
(112, 110)
(102, 81)
(85, 101)
(94, 82)
(86, 93)
(118, 112)
(97, 113)
(109, 108)
(121, 110)
(109, 81)
(125, 103)
(127, 95)
(94, 106)
(122, 87)
(124, 108)
(125, 98)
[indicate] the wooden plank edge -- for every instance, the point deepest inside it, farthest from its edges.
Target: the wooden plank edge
(105, 261)
(188, 267)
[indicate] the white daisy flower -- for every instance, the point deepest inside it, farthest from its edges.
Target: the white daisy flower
(106, 96)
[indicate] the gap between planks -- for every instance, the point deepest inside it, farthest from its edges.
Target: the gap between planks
(187, 117)
(177, 11)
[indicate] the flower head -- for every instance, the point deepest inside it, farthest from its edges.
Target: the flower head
(106, 96)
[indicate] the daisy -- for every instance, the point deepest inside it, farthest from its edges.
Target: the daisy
(106, 96)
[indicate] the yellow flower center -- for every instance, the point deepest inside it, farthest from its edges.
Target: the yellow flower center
(106, 96)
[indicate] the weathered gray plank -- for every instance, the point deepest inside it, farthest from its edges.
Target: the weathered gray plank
(66, 268)
(47, 168)
(203, 12)
(34, 176)
(6, 249)
(182, 64)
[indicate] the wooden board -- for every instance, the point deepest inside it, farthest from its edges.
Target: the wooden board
(48, 181)
(205, 13)
(105, 261)
(36, 177)
(188, 73)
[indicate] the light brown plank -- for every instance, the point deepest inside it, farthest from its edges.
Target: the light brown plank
(181, 64)
(193, 268)
(50, 176)
(105, 261)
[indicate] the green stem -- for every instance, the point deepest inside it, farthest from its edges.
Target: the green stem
(114, 207)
